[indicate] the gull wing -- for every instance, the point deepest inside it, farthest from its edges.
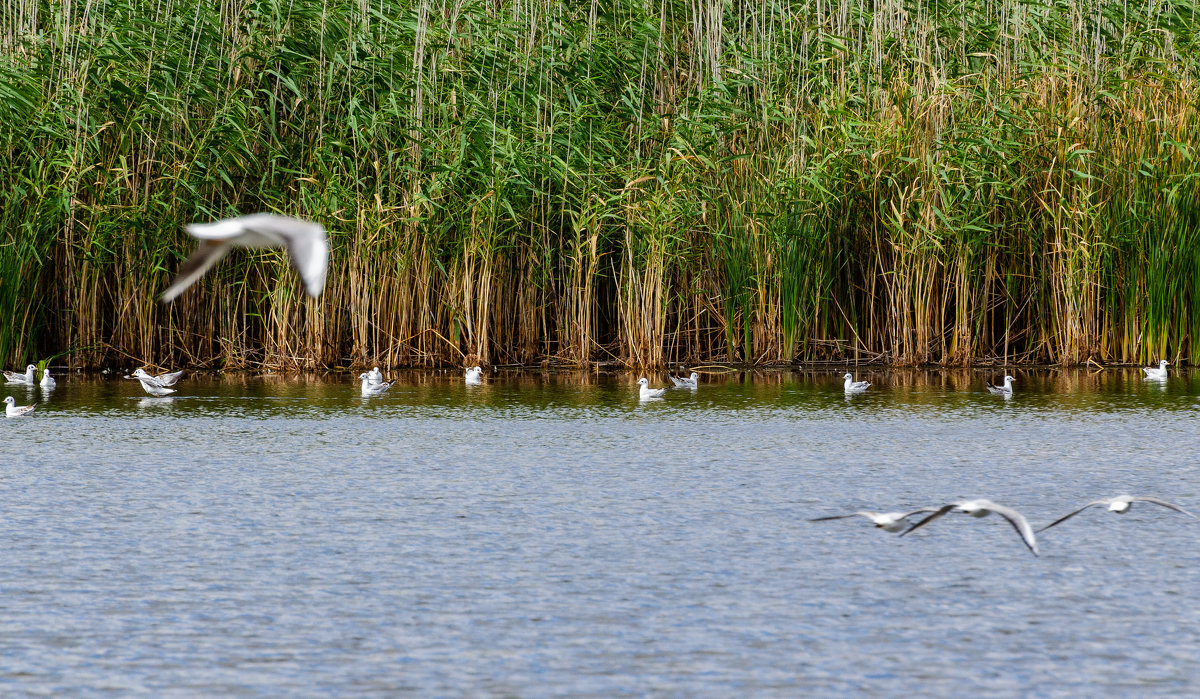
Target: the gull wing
(168, 379)
(1164, 503)
(678, 382)
(1018, 522)
(868, 515)
(936, 513)
(906, 515)
(206, 254)
(1069, 515)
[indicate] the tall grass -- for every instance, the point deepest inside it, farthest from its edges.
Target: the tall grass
(641, 181)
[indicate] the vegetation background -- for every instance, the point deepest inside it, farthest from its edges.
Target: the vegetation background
(647, 181)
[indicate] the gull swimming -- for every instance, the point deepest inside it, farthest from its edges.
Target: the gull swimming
(887, 521)
(14, 410)
(983, 508)
(645, 392)
(304, 241)
(1003, 390)
(692, 381)
(1119, 504)
(162, 380)
(154, 388)
(48, 383)
(373, 389)
(474, 375)
(375, 376)
(1159, 374)
(853, 386)
(26, 378)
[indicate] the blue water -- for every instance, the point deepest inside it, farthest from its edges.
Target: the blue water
(549, 534)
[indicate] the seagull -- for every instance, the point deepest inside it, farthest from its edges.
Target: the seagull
(1159, 374)
(692, 381)
(375, 376)
(26, 378)
(887, 521)
(645, 392)
(48, 383)
(983, 508)
(474, 375)
(373, 389)
(14, 410)
(304, 240)
(1120, 504)
(853, 386)
(1005, 390)
(162, 380)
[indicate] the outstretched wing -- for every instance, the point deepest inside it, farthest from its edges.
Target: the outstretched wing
(936, 513)
(1164, 503)
(1018, 522)
(1069, 515)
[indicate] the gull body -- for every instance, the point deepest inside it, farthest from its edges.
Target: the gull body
(154, 388)
(48, 383)
(473, 375)
(375, 376)
(304, 241)
(645, 392)
(11, 409)
(373, 389)
(1159, 374)
(1119, 504)
(692, 381)
(1004, 389)
(853, 386)
(27, 378)
(887, 521)
(983, 508)
(162, 380)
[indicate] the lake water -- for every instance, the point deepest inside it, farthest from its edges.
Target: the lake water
(548, 534)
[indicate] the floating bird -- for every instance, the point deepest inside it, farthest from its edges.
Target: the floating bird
(983, 508)
(645, 392)
(1120, 504)
(14, 410)
(27, 378)
(853, 386)
(692, 381)
(163, 380)
(304, 241)
(1159, 374)
(1003, 390)
(474, 375)
(154, 388)
(887, 521)
(373, 389)
(375, 376)
(48, 383)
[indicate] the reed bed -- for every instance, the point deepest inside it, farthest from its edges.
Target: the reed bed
(646, 182)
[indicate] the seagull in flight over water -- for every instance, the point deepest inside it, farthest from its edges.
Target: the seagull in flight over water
(304, 241)
(983, 508)
(1120, 505)
(887, 521)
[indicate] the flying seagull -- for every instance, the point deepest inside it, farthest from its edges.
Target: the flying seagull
(692, 381)
(983, 508)
(1003, 390)
(1119, 504)
(853, 386)
(645, 392)
(304, 240)
(1159, 374)
(887, 521)
(11, 409)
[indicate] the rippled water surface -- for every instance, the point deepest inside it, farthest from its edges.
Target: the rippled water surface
(548, 534)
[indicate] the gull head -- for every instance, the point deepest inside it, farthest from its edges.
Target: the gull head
(1009, 379)
(30, 368)
(694, 377)
(1162, 364)
(363, 376)
(10, 400)
(643, 382)
(375, 369)
(848, 377)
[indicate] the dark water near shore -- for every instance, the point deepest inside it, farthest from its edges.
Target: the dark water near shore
(549, 534)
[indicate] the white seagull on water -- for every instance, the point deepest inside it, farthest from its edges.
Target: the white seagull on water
(887, 521)
(692, 381)
(473, 375)
(304, 241)
(154, 388)
(853, 386)
(983, 508)
(646, 393)
(27, 378)
(1159, 374)
(375, 376)
(162, 380)
(373, 389)
(11, 409)
(1003, 390)
(1119, 504)
(47, 383)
